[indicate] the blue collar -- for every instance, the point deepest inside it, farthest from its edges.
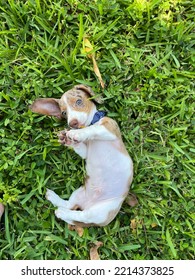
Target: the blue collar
(98, 116)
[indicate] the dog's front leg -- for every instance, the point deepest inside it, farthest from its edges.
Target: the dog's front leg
(93, 132)
(81, 149)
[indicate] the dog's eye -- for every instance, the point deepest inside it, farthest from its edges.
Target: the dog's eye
(64, 114)
(79, 102)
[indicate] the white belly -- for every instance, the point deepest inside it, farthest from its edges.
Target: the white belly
(109, 170)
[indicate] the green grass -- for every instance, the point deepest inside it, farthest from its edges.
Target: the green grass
(145, 53)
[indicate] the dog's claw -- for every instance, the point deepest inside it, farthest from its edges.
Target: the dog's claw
(63, 139)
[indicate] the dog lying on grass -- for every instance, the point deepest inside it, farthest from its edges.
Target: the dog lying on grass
(97, 139)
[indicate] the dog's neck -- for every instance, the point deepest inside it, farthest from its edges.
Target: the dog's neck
(98, 116)
(90, 116)
(94, 116)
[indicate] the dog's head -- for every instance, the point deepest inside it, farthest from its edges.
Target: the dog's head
(76, 105)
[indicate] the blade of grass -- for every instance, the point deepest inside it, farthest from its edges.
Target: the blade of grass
(58, 239)
(28, 196)
(117, 62)
(170, 243)
(63, 61)
(7, 230)
(160, 62)
(80, 37)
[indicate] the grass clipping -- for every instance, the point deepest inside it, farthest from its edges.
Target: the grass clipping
(89, 50)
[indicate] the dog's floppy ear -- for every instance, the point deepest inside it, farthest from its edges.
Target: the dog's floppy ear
(46, 106)
(88, 90)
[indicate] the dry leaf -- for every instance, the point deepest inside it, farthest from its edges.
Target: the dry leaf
(153, 225)
(133, 225)
(132, 200)
(97, 72)
(78, 229)
(94, 251)
(88, 48)
(1, 210)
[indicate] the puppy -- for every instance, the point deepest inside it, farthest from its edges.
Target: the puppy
(97, 139)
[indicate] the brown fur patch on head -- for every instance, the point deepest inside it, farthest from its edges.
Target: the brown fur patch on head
(90, 92)
(79, 101)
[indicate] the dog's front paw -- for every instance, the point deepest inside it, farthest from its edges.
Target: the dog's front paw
(76, 135)
(63, 139)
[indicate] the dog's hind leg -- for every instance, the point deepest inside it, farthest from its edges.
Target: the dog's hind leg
(76, 200)
(100, 214)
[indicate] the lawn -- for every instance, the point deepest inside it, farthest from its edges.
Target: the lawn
(145, 51)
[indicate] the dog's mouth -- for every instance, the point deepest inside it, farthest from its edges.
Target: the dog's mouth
(75, 125)
(79, 127)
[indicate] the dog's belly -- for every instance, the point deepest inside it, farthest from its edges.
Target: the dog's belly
(109, 170)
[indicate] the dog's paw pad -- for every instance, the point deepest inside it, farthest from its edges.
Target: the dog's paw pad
(74, 136)
(63, 139)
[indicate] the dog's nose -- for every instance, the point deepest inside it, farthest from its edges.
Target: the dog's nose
(74, 124)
